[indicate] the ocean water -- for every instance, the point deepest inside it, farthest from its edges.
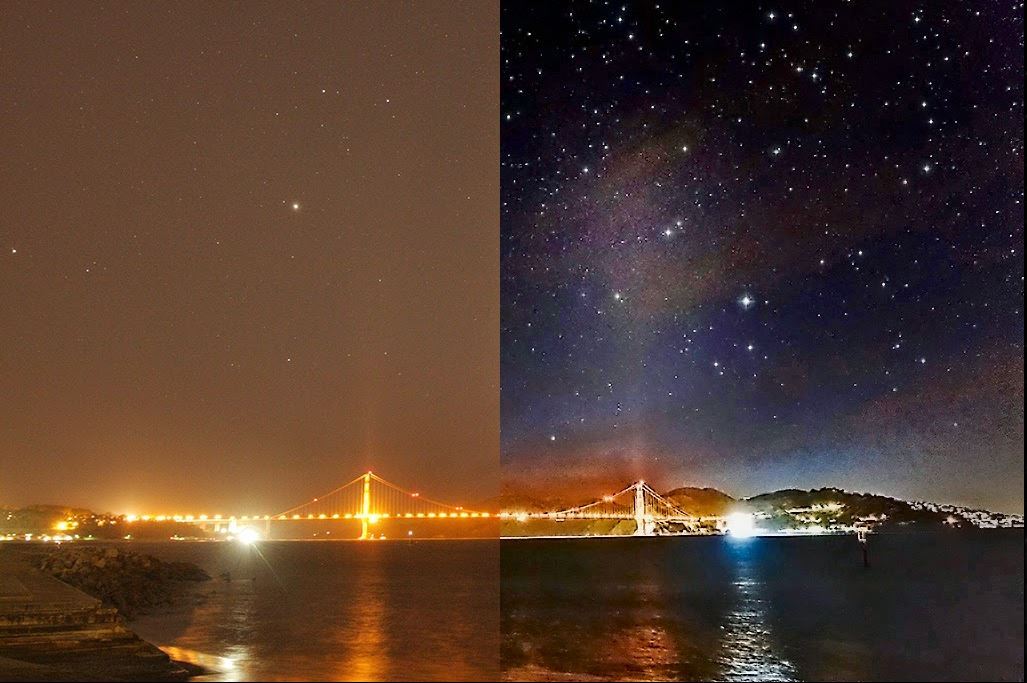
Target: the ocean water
(294, 610)
(931, 606)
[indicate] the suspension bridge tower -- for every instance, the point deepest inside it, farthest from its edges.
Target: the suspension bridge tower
(365, 507)
(644, 525)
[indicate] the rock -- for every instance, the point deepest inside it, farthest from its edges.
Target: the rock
(126, 580)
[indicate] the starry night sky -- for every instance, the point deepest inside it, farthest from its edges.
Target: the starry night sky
(762, 246)
(249, 250)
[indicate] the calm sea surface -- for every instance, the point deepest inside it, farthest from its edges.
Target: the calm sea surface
(391, 610)
(935, 606)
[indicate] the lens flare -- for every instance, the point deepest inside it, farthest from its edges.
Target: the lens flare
(740, 525)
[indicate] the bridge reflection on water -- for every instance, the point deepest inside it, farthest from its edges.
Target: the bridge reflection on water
(336, 611)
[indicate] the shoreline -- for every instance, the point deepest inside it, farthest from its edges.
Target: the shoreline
(52, 630)
(777, 534)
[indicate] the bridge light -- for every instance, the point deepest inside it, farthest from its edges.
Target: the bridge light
(372, 519)
(310, 516)
(409, 514)
(203, 518)
(131, 518)
(349, 515)
(420, 514)
(335, 516)
(484, 514)
(322, 516)
(295, 516)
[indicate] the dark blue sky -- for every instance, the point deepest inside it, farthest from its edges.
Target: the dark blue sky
(760, 246)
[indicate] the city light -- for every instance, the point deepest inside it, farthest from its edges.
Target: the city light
(740, 525)
(248, 536)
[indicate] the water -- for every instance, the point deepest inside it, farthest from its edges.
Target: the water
(392, 610)
(935, 606)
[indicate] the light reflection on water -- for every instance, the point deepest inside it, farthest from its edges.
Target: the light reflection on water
(748, 650)
(223, 665)
(336, 611)
(711, 608)
(362, 660)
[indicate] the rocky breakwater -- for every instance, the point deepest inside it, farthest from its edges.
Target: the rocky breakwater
(51, 631)
(129, 581)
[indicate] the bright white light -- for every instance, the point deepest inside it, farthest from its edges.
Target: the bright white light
(740, 525)
(248, 536)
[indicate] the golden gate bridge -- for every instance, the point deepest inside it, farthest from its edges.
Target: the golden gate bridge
(367, 499)
(637, 502)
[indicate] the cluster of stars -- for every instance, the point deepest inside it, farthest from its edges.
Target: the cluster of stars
(682, 186)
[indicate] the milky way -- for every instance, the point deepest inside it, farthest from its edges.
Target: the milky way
(761, 246)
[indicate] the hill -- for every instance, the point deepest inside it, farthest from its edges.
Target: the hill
(701, 502)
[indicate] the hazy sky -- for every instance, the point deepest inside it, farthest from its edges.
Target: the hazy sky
(248, 251)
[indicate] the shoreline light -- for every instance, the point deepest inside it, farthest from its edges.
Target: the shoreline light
(741, 525)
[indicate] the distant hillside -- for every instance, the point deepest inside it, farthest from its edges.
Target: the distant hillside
(829, 507)
(702, 502)
(525, 502)
(825, 509)
(47, 520)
